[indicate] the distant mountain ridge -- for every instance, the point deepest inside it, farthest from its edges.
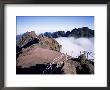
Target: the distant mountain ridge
(76, 32)
(80, 32)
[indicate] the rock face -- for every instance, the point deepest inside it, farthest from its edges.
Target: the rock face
(69, 68)
(50, 43)
(26, 37)
(30, 38)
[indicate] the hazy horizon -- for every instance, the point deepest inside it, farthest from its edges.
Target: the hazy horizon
(41, 24)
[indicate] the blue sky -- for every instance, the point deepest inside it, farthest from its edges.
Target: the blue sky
(41, 24)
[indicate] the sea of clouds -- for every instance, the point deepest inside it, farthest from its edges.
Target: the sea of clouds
(72, 46)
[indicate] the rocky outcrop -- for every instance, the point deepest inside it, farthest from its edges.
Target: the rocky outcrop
(69, 67)
(25, 38)
(50, 43)
(30, 38)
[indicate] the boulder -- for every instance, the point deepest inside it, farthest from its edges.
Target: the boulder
(69, 68)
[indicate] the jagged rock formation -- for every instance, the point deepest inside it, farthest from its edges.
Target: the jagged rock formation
(80, 32)
(30, 38)
(26, 37)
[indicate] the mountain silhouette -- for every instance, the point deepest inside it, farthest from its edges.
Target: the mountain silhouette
(80, 32)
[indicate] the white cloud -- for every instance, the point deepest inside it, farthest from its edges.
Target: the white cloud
(73, 46)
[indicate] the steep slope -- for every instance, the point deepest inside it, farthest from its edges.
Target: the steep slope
(37, 55)
(30, 38)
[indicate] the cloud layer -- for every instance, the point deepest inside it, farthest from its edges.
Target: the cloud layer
(73, 46)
